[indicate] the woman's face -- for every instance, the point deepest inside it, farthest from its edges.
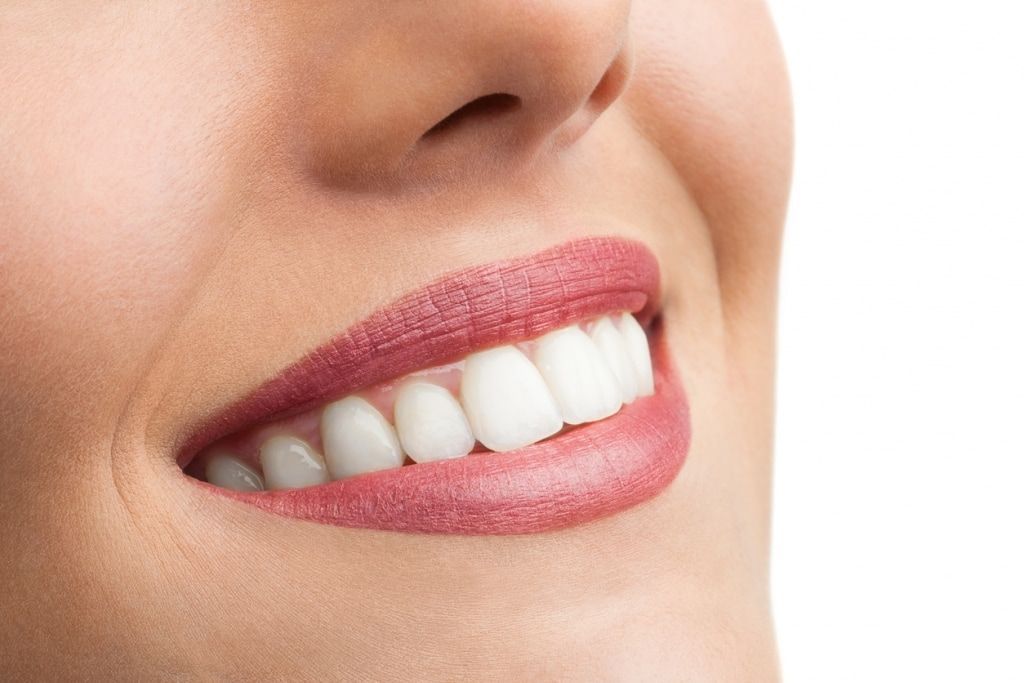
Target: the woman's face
(198, 201)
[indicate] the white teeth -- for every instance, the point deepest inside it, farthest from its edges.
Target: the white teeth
(577, 375)
(613, 347)
(357, 439)
(228, 472)
(639, 353)
(506, 400)
(289, 463)
(431, 424)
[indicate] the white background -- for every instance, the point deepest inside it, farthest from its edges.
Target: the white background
(899, 493)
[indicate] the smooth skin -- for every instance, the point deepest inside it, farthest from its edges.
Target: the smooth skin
(193, 195)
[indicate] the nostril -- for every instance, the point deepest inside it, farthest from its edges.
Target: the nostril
(488, 106)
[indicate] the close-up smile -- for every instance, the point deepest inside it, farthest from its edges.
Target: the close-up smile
(515, 397)
(389, 341)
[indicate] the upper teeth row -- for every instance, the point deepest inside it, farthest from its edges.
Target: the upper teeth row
(507, 400)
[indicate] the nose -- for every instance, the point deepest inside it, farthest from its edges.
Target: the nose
(406, 90)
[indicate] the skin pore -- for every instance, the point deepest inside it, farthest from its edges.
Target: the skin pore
(194, 195)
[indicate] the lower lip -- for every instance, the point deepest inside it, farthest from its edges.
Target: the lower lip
(582, 475)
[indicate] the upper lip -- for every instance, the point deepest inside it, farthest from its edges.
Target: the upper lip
(462, 312)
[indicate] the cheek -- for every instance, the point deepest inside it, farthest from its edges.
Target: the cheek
(111, 191)
(711, 87)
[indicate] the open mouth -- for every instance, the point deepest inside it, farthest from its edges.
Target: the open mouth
(515, 397)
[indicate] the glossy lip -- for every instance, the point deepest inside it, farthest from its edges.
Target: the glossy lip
(581, 475)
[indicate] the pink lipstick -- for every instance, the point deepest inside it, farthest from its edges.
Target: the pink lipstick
(580, 474)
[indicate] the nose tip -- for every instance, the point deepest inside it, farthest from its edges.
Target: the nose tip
(461, 86)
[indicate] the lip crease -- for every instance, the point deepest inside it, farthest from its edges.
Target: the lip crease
(581, 475)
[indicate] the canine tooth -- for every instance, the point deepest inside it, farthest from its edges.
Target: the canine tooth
(577, 375)
(431, 424)
(357, 439)
(506, 400)
(290, 463)
(228, 472)
(613, 347)
(639, 353)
